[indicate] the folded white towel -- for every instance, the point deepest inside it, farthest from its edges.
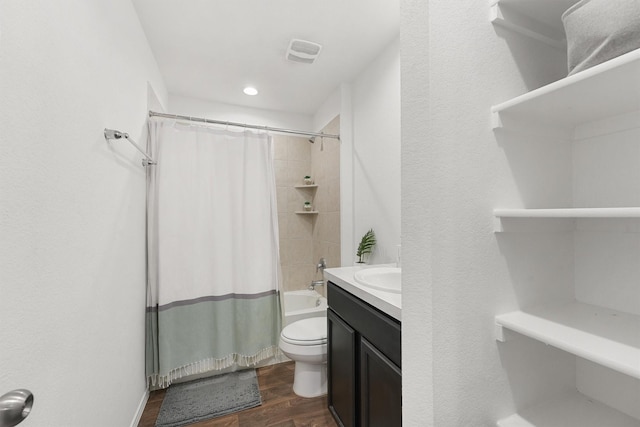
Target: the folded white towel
(600, 30)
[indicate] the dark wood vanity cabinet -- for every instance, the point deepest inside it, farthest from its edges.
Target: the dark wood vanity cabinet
(341, 370)
(363, 363)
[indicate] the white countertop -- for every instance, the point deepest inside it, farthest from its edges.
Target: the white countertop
(386, 302)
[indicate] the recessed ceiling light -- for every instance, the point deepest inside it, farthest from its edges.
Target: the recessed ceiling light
(250, 90)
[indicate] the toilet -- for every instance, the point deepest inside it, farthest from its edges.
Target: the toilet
(305, 342)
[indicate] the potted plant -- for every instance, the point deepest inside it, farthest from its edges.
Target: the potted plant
(366, 245)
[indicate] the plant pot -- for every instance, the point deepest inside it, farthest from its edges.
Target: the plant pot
(600, 30)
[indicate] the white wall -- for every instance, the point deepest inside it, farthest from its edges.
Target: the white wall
(255, 116)
(330, 108)
(375, 107)
(417, 304)
(606, 172)
(72, 208)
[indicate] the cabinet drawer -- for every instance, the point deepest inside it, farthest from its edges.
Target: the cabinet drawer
(377, 327)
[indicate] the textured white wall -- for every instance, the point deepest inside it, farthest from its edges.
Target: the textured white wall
(72, 208)
(376, 153)
(329, 109)
(457, 275)
(347, 249)
(417, 307)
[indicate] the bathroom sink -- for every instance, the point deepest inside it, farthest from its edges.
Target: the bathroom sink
(382, 278)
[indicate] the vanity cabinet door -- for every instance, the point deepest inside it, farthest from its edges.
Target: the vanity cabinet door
(381, 388)
(341, 370)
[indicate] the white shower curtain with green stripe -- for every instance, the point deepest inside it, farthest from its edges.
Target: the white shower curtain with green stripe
(213, 268)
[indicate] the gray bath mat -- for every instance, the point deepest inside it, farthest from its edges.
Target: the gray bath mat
(199, 400)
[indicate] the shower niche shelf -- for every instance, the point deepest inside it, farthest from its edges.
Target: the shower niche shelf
(312, 188)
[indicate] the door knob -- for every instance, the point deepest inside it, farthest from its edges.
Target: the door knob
(15, 406)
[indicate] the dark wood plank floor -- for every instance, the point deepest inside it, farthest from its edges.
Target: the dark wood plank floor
(280, 406)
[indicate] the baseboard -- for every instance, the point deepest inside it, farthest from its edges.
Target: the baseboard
(140, 410)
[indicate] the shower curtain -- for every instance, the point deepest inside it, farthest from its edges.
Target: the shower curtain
(212, 248)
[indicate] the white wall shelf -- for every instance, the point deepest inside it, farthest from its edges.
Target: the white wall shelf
(538, 19)
(628, 212)
(607, 337)
(555, 219)
(307, 212)
(569, 409)
(306, 186)
(605, 90)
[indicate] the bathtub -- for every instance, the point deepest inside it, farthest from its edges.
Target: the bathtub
(302, 305)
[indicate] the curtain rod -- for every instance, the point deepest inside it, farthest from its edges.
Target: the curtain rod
(243, 125)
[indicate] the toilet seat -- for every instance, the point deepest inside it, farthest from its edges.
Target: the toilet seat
(312, 331)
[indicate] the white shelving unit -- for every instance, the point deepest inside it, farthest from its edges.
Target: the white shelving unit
(569, 409)
(630, 212)
(607, 337)
(608, 89)
(547, 12)
(503, 215)
(539, 20)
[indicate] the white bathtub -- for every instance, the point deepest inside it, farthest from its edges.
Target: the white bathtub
(302, 305)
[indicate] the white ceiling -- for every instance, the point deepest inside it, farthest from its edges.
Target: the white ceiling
(212, 49)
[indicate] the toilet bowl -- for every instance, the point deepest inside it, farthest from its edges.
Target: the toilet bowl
(305, 342)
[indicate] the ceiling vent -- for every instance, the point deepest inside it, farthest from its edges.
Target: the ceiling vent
(303, 51)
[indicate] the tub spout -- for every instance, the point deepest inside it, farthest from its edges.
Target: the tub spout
(314, 283)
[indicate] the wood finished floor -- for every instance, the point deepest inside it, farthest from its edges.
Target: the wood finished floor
(280, 406)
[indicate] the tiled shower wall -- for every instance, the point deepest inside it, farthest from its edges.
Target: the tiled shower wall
(306, 238)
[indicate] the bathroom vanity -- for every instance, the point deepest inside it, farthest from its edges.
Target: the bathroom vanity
(364, 353)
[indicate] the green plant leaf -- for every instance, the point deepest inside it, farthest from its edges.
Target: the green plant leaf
(366, 244)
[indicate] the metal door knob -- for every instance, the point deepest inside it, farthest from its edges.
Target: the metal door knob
(15, 406)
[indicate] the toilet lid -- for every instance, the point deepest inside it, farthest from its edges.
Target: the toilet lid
(312, 331)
